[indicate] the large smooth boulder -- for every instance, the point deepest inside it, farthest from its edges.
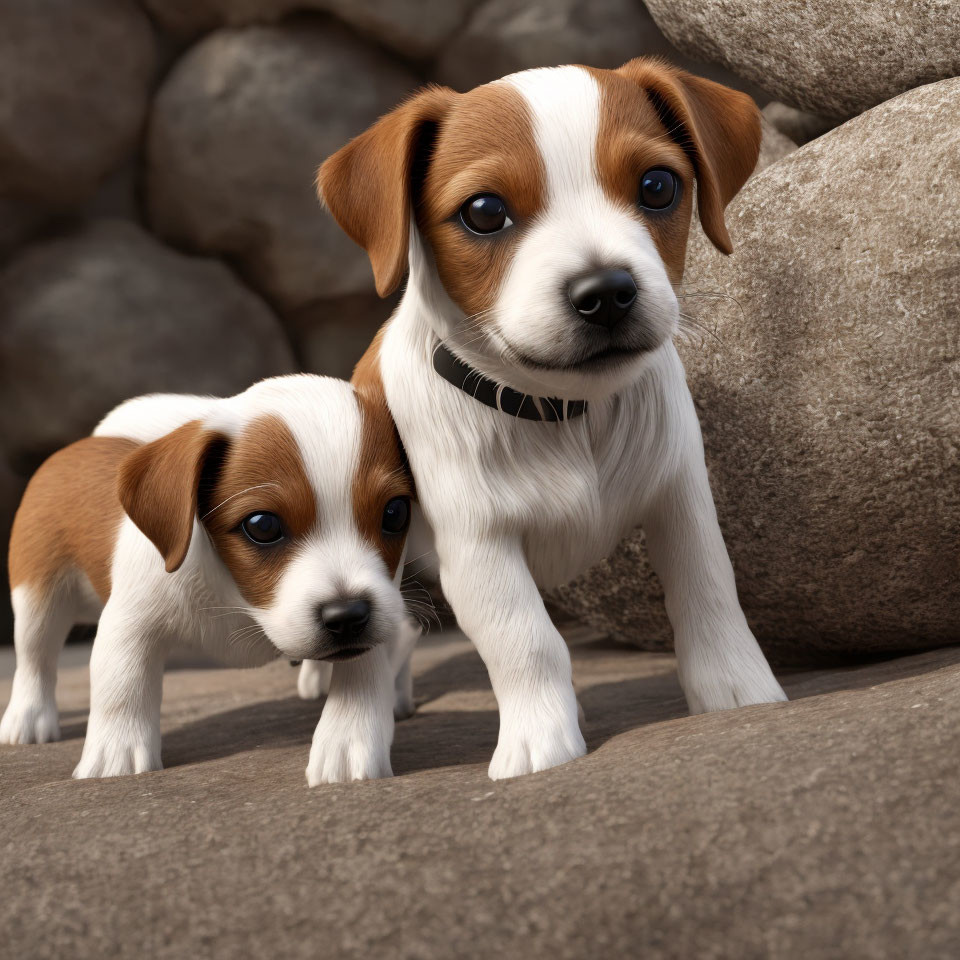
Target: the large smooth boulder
(835, 57)
(414, 28)
(504, 36)
(237, 132)
(75, 81)
(109, 313)
(828, 388)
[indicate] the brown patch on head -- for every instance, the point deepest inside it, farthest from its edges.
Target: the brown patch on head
(69, 516)
(485, 145)
(715, 130)
(261, 471)
(431, 154)
(382, 472)
(631, 140)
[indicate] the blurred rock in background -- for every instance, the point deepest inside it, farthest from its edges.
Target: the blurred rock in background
(159, 228)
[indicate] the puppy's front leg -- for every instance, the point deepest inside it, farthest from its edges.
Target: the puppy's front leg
(718, 660)
(498, 606)
(352, 740)
(126, 682)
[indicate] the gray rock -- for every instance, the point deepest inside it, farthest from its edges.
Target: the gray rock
(774, 146)
(237, 132)
(799, 125)
(76, 80)
(504, 36)
(330, 336)
(821, 829)
(416, 29)
(828, 388)
(109, 313)
(834, 57)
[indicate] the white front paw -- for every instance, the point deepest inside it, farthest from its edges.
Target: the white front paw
(735, 675)
(314, 679)
(118, 753)
(537, 740)
(343, 751)
(30, 720)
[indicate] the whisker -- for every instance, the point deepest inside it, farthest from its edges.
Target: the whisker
(256, 486)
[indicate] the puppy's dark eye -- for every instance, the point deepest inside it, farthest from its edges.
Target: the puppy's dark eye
(262, 528)
(396, 516)
(485, 213)
(658, 189)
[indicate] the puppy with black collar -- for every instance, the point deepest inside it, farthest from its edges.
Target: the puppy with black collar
(530, 366)
(273, 522)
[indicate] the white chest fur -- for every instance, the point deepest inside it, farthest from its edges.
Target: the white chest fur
(569, 490)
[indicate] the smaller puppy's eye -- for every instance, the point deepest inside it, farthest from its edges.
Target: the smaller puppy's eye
(262, 528)
(396, 516)
(485, 213)
(658, 189)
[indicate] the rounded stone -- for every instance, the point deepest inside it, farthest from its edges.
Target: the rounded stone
(833, 57)
(503, 36)
(108, 313)
(76, 82)
(827, 382)
(237, 132)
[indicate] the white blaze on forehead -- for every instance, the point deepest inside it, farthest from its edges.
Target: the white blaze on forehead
(564, 104)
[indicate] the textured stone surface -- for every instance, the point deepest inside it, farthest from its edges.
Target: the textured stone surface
(828, 390)
(237, 132)
(504, 36)
(799, 125)
(414, 28)
(774, 146)
(75, 81)
(824, 828)
(109, 313)
(835, 57)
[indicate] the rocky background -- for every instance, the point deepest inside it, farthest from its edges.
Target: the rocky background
(159, 231)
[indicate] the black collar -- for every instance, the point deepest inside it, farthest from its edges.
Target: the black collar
(505, 399)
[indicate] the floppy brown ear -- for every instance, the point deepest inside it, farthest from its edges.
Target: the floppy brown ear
(158, 485)
(367, 184)
(717, 127)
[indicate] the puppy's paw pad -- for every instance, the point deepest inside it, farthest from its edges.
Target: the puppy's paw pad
(30, 722)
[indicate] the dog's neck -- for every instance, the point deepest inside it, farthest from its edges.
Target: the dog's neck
(499, 396)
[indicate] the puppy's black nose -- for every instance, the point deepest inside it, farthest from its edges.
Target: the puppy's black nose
(345, 619)
(604, 297)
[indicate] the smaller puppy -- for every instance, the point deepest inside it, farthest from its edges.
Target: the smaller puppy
(270, 522)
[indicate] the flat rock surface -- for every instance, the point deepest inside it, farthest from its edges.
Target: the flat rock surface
(826, 827)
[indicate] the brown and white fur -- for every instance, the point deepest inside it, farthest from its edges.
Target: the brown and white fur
(515, 504)
(139, 527)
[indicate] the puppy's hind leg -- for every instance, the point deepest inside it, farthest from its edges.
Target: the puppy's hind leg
(313, 681)
(42, 620)
(401, 652)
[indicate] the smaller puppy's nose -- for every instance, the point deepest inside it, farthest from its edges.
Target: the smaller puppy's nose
(345, 619)
(604, 297)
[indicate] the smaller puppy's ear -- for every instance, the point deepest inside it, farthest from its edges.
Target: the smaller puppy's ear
(159, 483)
(368, 184)
(718, 128)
